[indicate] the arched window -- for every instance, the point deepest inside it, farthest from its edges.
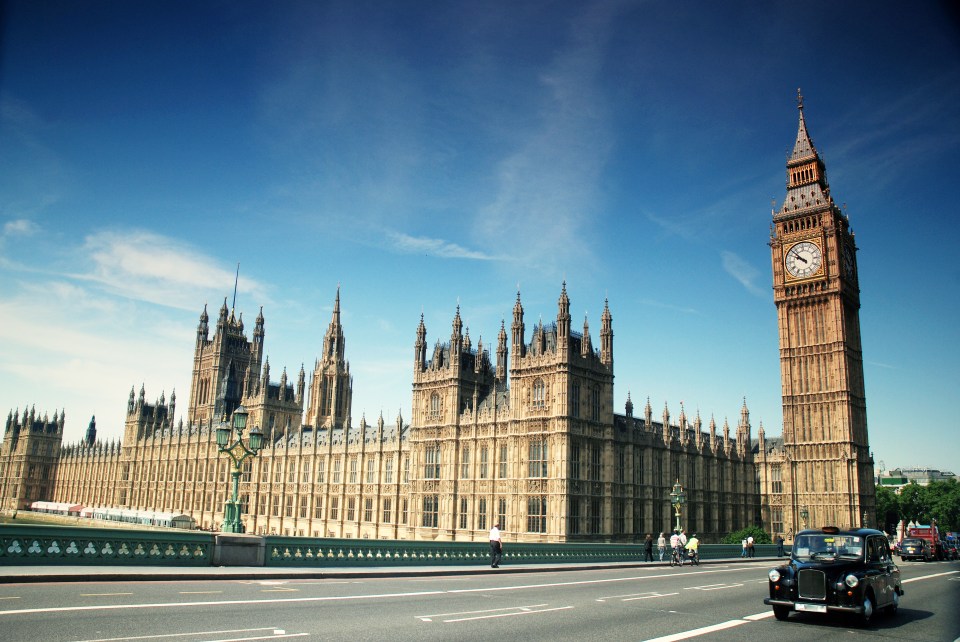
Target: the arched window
(539, 394)
(435, 405)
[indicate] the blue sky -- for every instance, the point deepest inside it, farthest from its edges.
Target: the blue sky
(421, 155)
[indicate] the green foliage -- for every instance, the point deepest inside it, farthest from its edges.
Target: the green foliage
(921, 504)
(888, 510)
(760, 536)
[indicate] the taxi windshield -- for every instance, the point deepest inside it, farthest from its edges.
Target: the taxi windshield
(827, 546)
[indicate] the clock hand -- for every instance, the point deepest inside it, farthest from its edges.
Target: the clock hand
(802, 259)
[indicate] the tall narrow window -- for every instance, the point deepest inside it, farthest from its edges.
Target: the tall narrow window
(321, 470)
(388, 471)
(537, 514)
(463, 512)
(482, 514)
(502, 513)
(431, 508)
(371, 471)
(575, 400)
(537, 461)
(539, 394)
(387, 511)
(574, 525)
(503, 461)
(431, 465)
(595, 459)
(465, 462)
(484, 461)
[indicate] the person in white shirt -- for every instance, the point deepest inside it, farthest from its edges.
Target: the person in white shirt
(496, 546)
(675, 544)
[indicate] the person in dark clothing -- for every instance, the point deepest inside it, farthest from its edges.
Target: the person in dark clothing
(496, 546)
(648, 548)
(780, 552)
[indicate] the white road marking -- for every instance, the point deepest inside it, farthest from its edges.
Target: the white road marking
(275, 634)
(927, 577)
(341, 598)
(487, 617)
(653, 594)
(200, 592)
(759, 616)
(711, 587)
(102, 594)
(429, 618)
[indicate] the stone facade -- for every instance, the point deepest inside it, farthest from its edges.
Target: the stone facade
(526, 436)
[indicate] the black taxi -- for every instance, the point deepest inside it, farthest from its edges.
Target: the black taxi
(834, 570)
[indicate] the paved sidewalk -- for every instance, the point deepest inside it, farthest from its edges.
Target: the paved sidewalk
(90, 573)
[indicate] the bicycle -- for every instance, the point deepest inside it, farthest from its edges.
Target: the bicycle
(676, 558)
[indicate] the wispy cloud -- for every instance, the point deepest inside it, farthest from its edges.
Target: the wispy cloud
(743, 272)
(145, 266)
(406, 244)
(20, 227)
(547, 185)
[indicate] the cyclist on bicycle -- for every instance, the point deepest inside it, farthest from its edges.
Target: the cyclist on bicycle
(693, 546)
(675, 549)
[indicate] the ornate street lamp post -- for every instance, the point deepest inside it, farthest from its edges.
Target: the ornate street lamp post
(863, 524)
(804, 515)
(238, 451)
(678, 498)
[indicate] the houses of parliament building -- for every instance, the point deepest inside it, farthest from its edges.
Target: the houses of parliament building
(523, 433)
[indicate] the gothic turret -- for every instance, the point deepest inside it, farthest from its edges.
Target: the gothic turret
(420, 347)
(606, 336)
(91, 437)
(517, 331)
(502, 352)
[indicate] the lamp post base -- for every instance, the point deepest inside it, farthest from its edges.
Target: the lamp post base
(231, 518)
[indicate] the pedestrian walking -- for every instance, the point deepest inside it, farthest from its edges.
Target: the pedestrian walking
(743, 547)
(750, 546)
(648, 548)
(780, 552)
(662, 545)
(496, 546)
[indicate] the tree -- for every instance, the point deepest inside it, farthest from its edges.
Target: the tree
(944, 501)
(888, 509)
(915, 504)
(760, 536)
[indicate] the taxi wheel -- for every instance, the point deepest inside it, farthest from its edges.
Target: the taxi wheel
(892, 609)
(781, 612)
(867, 614)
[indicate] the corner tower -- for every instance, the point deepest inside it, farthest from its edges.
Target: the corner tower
(331, 385)
(827, 467)
(223, 366)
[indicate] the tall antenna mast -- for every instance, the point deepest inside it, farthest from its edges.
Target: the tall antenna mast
(235, 281)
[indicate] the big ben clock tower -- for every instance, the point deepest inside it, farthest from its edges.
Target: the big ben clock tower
(827, 467)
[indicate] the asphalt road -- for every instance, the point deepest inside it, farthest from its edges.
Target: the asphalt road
(710, 602)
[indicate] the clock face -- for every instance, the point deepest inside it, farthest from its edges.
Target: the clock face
(848, 263)
(803, 259)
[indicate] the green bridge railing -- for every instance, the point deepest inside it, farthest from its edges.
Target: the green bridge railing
(329, 552)
(50, 545)
(33, 544)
